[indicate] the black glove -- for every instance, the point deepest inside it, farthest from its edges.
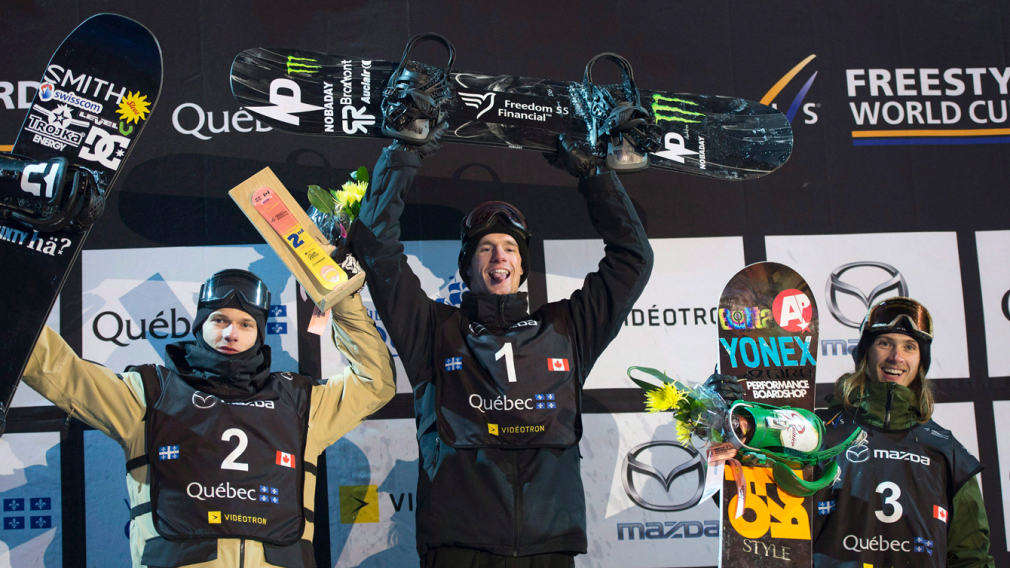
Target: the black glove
(575, 158)
(429, 147)
(726, 386)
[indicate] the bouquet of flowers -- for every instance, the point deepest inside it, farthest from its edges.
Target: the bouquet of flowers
(751, 433)
(333, 211)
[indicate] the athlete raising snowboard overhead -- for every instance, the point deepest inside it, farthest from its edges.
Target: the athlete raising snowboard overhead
(220, 450)
(497, 390)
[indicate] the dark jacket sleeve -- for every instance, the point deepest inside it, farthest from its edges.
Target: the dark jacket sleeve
(406, 312)
(968, 532)
(600, 307)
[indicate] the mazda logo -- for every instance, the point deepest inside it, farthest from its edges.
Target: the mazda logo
(693, 465)
(858, 454)
(835, 286)
(203, 401)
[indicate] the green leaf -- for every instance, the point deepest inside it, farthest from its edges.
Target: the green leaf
(360, 175)
(321, 199)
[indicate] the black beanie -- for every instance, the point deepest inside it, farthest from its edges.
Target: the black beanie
(469, 247)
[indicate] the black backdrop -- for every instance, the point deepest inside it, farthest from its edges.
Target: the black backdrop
(173, 192)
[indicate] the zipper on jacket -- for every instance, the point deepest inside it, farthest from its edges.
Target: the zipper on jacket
(501, 312)
(887, 407)
(517, 500)
(241, 553)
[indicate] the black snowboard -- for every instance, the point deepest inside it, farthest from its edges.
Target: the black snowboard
(94, 99)
(768, 338)
(307, 92)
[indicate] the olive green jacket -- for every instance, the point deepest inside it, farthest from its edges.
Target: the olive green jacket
(968, 530)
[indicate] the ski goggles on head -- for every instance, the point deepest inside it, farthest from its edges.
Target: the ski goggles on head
(228, 283)
(483, 216)
(894, 311)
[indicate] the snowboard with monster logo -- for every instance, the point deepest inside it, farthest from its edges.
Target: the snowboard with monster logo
(308, 92)
(767, 339)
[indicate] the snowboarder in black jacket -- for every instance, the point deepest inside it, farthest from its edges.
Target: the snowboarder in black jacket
(488, 491)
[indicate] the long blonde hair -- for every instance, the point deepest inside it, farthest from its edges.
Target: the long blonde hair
(853, 383)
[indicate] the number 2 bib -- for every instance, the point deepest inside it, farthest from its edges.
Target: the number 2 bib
(228, 468)
(516, 389)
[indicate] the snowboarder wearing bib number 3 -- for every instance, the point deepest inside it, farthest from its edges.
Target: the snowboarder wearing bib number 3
(497, 389)
(908, 496)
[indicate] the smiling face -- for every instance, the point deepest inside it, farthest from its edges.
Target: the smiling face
(229, 331)
(893, 357)
(496, 266)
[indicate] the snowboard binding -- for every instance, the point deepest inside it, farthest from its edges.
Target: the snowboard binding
(785, 438)
(413, 97)
(629, 130)
(50, 196)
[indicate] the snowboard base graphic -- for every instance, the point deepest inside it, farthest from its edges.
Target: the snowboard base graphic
(94, 99)
(768, 339)
(308, 92)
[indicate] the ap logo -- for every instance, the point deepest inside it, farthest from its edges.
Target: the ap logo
(793, 310)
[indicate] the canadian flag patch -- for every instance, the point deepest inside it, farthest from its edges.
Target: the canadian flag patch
(557, 364)
(940, 513)
(286, 460)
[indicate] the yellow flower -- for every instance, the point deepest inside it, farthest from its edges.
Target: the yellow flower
(666, 397)
(683, 434)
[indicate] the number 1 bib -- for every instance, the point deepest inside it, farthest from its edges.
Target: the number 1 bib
(516, 389)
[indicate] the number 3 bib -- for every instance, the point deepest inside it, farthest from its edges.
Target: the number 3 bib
(516, 389)
(227, 468)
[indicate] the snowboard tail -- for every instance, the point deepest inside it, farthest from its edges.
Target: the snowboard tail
(315, 93)
(94, 100)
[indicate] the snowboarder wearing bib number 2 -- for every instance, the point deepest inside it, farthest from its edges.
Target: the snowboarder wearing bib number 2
(220, 450)
(908, 496)
(497, 389)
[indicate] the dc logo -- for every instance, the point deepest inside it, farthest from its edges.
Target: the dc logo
(104, 148)
(46, 91)
(858, 454)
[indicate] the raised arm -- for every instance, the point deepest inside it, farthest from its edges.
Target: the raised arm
(406, 312)
(599, 308)
(113, 404)
(367, 383)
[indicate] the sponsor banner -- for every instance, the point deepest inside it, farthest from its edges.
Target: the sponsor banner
(639, 511)
(17, 95)
(372, 481)
(26, 395)
(434, 263)
(674, 324)
(191, 119)
(107, 512)
(848, 273)
(928, 105)
(31, 533)
(138, 300)
(994, 274)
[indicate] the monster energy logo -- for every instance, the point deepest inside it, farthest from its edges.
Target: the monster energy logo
(294, 65)
(672, 113)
